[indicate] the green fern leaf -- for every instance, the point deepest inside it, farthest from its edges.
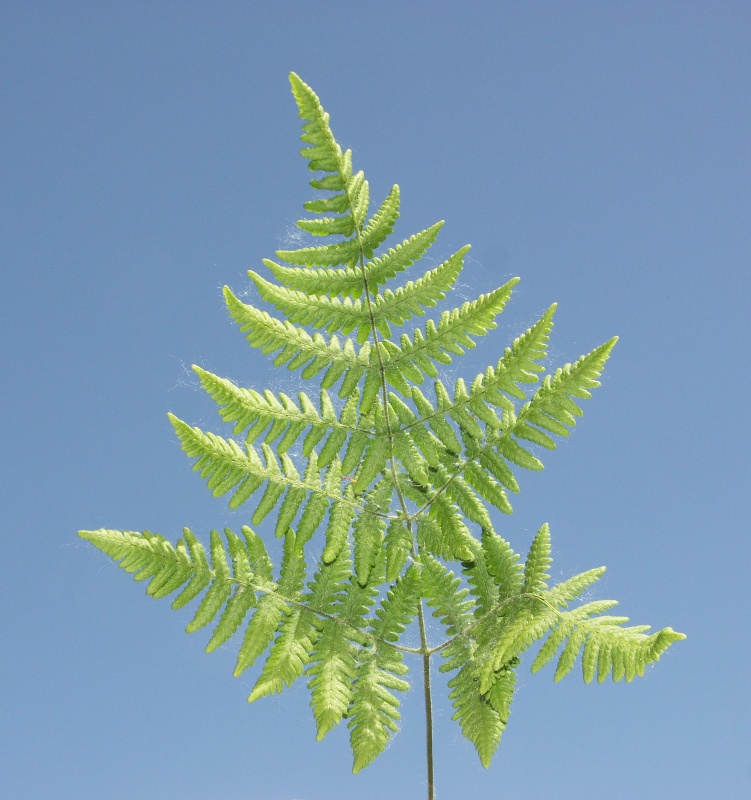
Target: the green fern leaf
(273, 605)
(518, 366)
(482, 583)
(481, 718)
(441, 591)
(464, 496)
(451, 337)
(201, 571)
(300, 630)
(341, 517)
(552, 406)
(398, 545)
(538, 563)
(523, 623)
(243, 597)
(333, 663)
(227, 467)
(351, 281)
(443, 532)
(148, 555)
(381, 224)
(374, 709)
(268, 416)
(298, 348)
(412, 460)
(374, 460)
(369, 529)
(382, 486)
(503, 564)
(562, 593)
(322, 312)
(396, 307)
(219, 590)
(486, 486)
(494, 573)
(438, 424)
(609, 648)
(482, 715)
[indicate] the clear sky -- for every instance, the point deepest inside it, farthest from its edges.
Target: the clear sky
(599, 150)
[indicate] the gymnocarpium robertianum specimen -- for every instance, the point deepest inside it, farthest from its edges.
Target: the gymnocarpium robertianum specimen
(381, 480)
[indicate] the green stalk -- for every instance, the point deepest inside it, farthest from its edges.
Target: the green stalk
(428, 699)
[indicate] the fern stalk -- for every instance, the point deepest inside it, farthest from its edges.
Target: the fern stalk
(376, 501)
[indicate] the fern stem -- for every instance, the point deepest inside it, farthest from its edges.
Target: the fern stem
(428, 699)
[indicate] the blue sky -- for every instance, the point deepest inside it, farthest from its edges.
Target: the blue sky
(599, 150)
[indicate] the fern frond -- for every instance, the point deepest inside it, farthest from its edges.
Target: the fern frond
(441, 530)
(495, 573)
(201, 571)
(374, 709)
(552, 408)
(301, 628)
(272, 607)
(483, 482)
(538, 562)
(333, 664)
(482, 583)
(374, 456)
(298, 349)
(267, 416)
(369, 529)
(349, 251)
(518, 366)
(503, 564)
(438, 424)
(398, 545)
(381, 224)
(489, 452)
(396, 307)
(563, 593)
(330, 255)
(421, 447)
(416, 356)
(609, 648)
(230, 588)
(325, 154)
(150, 555)
(482, 714)
(351, 281)
(317, 502)
(396, 259)
(408, 454)
(327, 313)
(437, 541)
(352, 199)
(227, 467)
(462, 493)
(441, 591)
(244, 594)
(340, 518)
(391, 482)
(258, 556)
(523, 622)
